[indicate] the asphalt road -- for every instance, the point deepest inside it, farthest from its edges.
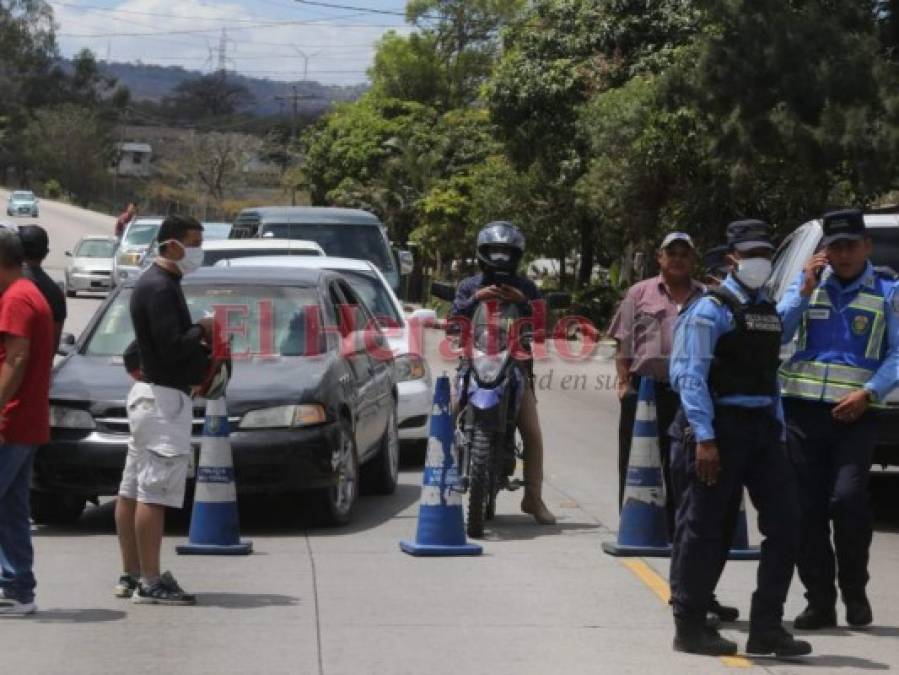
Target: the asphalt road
(347, 601)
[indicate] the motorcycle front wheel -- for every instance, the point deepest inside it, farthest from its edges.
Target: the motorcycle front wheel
(479, 490)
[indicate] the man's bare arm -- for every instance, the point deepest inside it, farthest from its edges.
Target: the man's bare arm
(12, 372)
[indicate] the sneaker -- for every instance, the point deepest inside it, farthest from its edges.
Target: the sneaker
(12, 607)
(816, 618)
(165, 591)
(126, 586)
(776, 641)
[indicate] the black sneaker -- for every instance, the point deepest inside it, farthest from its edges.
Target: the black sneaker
(816, 618)
(776, 641)
(700, 639)
(126, 586)
(858, 611)
(724, 613)
(166, 591)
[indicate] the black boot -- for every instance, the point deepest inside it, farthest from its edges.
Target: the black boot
(858, 610)
(776, 641)
(695, 638)
(723, 612)
(816, 618)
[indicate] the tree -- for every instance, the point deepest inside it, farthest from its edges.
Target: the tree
(208, 96)
(409, 69)
(71, 144)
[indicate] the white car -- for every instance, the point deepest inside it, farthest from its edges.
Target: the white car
(413, 375)
(136, 241)
(231, 249)
(91, 266)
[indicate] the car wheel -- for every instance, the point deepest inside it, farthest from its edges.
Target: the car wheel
(336, 503)
(48, 508)
(382, 473)
(70, 293)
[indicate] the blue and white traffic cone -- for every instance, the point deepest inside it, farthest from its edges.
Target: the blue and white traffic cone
(214, 523)
(441, 522)
(642, 528)
(740, 548)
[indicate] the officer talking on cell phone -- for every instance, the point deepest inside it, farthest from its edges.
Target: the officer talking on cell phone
(846, 316)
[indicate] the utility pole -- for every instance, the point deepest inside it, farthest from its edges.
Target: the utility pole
(295, 99)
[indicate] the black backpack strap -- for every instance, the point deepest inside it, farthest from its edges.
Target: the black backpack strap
(726, 298)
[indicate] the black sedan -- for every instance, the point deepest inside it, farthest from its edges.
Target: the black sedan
(311, 409)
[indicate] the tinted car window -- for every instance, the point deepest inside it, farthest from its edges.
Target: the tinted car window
(212, 257)
(216, 231)
(375, 296)
(362, 242)
(886, 246)
(290, 310)
(141, 234)
(95, 249)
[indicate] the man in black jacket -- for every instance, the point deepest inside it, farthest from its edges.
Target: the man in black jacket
(174, 357)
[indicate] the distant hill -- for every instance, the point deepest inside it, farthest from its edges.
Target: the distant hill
(148, 82)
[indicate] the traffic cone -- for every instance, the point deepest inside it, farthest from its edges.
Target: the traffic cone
(642, 528)
(441, 523)
(740, 548)
(214, 527)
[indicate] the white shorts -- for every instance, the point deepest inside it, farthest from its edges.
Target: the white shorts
(161, 421)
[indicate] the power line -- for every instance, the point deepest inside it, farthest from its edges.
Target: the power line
(196, 31)
(330, 5)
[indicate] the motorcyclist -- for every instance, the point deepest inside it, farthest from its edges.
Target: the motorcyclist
(500, 248)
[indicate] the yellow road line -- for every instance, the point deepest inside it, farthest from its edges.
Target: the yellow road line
(659, 586)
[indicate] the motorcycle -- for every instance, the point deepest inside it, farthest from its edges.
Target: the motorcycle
(489, 385)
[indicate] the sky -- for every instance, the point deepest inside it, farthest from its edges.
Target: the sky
(274, 39)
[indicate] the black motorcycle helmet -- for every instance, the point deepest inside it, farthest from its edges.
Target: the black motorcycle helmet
(500, 248)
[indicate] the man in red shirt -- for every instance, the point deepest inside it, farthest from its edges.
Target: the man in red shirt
(126, 217)
(26, 356)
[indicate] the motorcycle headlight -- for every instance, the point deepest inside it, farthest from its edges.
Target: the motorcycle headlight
(70, 418)
(284, 417)
(409, 367)
(488, 366)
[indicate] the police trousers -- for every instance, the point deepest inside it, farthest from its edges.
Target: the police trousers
(753, 455)
(833, 465)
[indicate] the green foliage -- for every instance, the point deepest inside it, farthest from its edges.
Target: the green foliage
(52, 189)
(409, 69)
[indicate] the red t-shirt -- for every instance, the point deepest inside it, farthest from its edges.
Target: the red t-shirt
(25, 313)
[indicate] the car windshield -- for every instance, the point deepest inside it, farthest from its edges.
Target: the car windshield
(212, 257)
(376, 297)
(247, 306)
(216, 231)
(24, 196)
(362, 242)
(95, 249)
(141, 234)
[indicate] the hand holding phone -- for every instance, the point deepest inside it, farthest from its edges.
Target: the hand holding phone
(812, 273)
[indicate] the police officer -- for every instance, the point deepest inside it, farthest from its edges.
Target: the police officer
(716, 266)
(846, 362)
(724, 366)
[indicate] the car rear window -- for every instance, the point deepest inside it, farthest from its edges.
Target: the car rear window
(289, 307)
(362, 242)
(375, 296)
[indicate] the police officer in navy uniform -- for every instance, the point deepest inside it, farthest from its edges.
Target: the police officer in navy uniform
(846, 362)
(724, 366)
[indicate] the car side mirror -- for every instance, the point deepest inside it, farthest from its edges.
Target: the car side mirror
(66, 344)
(424, 317)
(406, 261)
(68, 254)
(558, 300)
(443, 291)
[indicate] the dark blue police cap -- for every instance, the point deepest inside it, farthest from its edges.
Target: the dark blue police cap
(715, 261)
(746, 235)
(846, 224)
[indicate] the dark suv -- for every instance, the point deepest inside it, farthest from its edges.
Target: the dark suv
(791, 257)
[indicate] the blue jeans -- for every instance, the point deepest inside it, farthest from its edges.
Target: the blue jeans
(16, 553)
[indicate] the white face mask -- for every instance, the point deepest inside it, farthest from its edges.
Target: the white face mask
(192, 260)
(753, 272)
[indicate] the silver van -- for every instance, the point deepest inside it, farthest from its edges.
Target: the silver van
(343, 233)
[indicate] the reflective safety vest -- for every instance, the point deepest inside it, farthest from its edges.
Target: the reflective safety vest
(838, 350)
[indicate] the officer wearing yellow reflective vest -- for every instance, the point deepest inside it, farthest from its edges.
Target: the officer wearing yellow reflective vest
(846, 362)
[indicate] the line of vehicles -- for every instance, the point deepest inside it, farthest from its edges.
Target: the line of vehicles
(325, 415)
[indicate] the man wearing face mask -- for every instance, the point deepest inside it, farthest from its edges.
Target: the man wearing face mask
(845, 364)
(724, 366)
(173, 357)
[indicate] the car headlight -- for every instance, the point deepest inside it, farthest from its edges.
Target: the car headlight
(130, 258)
(284, 417)
(409, 367)
(70, 418)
